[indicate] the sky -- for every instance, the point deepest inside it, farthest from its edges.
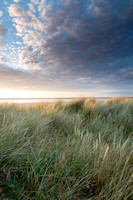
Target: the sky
(66, 48)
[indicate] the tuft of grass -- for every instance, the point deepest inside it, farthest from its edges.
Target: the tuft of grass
(121, 99)
(80, 150)
(75, 105)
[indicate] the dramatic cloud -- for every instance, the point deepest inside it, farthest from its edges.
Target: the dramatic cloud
(73, 41)
(91, 38)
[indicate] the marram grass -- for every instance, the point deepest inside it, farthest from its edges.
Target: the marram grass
(78, 151)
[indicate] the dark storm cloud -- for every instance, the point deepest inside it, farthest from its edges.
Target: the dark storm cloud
(88, 37)
(88, 41)
(93, 37)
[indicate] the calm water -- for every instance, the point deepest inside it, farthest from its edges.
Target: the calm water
(38, 100)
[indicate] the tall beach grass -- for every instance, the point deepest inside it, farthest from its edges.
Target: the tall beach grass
(76, 151)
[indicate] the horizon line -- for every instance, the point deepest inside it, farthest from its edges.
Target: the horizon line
(65, 97)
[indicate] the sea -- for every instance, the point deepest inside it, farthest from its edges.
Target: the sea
(40, 100)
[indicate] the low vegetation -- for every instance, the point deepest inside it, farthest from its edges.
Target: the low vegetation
(76, 151)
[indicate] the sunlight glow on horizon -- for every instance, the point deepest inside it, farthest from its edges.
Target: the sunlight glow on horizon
(40, 94)
(19, 94)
